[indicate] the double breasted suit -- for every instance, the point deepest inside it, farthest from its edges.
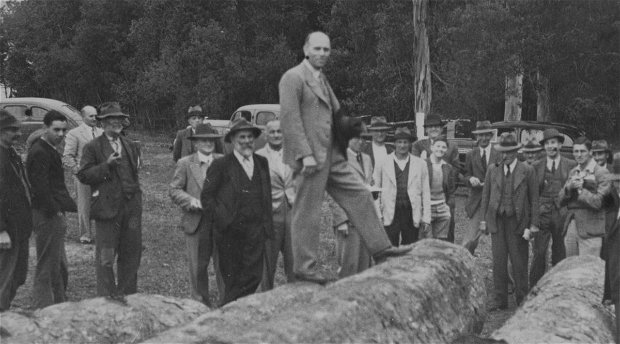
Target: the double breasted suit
(16, 221)
(240, 212)
(308, 106)
(507, 230)
(186, 185)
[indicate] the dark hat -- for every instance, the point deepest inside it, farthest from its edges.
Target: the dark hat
(483, 127)
(239, 125)
(551, 133)
(433, 121)
(441, 138)
(403, 133)
(532, 147)
(507, 143)
(110, 109)
(7, 120)
(194, 111)
(615, 167)
(379, 123)
(205, 131)
(600, 146)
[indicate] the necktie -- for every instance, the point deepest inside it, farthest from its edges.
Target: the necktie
(247, 167)
(484, 158)
(93, 131)
(508, 171)
(323, 85)
(553, 167)
(360, 161)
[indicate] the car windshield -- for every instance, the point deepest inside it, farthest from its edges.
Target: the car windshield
(73, 113)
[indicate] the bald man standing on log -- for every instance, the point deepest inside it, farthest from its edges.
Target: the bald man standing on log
(308, 109)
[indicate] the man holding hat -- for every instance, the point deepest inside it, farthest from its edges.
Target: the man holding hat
(509, 211)
(110, 166)
(551, 174)
(583, 194)
(237, 197)
(377, 150)
(16, 224)
(477, 162)
(405, 199)
(183, 146)
(602, 154)
(185, 190)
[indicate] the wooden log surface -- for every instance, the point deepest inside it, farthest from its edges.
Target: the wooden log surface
(100, 320)
(564, 307)
(433, 295)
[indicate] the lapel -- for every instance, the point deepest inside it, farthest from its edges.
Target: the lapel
(477, 160)
(564, 170)
(389, 169)
(314, 85)
(497, 176)
(130, 153)
(105, 147)
(355, 164)
(410, 174)
(519, 175)
(194, 166)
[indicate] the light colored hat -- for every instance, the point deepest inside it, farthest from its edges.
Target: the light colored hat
(507, 143)
(483, 127)
(403, 133)
(532, 147)
(379, 123)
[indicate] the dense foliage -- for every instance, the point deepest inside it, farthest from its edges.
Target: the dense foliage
(159, 56)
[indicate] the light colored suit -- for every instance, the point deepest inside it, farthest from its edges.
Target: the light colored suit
(186, 185)
(282, 199)
(75, 140)
(418, 189)
(307, 115)
(352, 255)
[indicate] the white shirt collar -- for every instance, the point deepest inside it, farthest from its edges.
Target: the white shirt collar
(487, 149)
(242, 159)
(207, 159)
(315, 72)
(352, 151)
(550, 162)
(512, 166)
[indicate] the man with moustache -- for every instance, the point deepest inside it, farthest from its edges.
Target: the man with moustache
(185, 189)
(75, 141)
(237, 197)
(110, 166)
(477, 162)
(551, 173)
(282, 198)
(510, 208)
(308, 109)
(15, 213)
(50, 201)
(377, 150)
(583, 194)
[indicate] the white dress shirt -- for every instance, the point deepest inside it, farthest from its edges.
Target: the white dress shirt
(246, 163)
(550, 162)
(486, 151)
(401, 163)
(379, 153)
(116, 144)
(512, 165)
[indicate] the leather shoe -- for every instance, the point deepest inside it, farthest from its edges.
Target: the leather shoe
(314, 277)
(392, 251)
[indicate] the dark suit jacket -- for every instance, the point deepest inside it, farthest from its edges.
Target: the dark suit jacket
(424, 145)
(104, 181)
(565, 166)
(525, 196)
(221, 192)
(47, 178)
(182, 145)
(449, 180)
(367, 148)
(475, 168)
(15, 214)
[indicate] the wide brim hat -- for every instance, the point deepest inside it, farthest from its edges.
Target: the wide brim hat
(110, 109)
(379, 123)
(403, 133)
(615, 167)
(194, 111)
(600, 146)
(433, 121)
(7, 120)
(239, 125)
(551, 133)
(507, 143)
(532, 147)
(483, 127)
(205, 131)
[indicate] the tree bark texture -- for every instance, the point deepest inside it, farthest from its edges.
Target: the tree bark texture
(542, 98)
(564, 307)
(433, 295)
(421, 65)
(513, 97)
(99, 320)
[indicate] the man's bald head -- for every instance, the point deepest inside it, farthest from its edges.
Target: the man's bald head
(89, 114)
(317, 49)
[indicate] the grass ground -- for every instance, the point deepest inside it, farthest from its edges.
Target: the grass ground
(163, 269)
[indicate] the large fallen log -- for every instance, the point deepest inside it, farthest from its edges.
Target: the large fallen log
(432, 295)
(100, 320)
(564, 307)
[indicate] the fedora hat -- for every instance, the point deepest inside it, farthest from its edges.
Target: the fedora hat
(532, 147)
(7, 120)
(403, 133)
(194, 111)
(551, 133)
(615, 167)
(483, 127)
(507, 143)
(205, 131)
(379, 123)
(433, 121)
(239, 125)
(110, 109)
(600, 146)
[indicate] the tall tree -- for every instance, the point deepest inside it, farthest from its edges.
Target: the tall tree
(422, 67)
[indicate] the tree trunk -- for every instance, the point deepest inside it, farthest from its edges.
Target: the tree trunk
(421, 63)
(542, 98)
(433, 295)
(564, 307)
(100, 320)
(513, 97)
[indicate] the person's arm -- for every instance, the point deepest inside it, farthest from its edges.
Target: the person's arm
(69, 157)
(177, 147)
(208, 197)
(291, 95)
(594, 199)
(426, 194)
(178, 185)
(533, 195)
(38, 166)
(486, 194)
(567, 193)
(92, 172)
(417, 148)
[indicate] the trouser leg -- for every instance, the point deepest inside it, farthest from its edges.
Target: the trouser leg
(499, 249)
(440, 222)
(108, 235)
(472, 237)
(353, 257)
(13, 271)
(129, 251)
(272, 251)
(518, 251)
(49, 285)
(451, 225)
(558, 250)
(590, 246)
(539, 260)
(83, 204)
(287, 249)
(192, 246)
(571, 239)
